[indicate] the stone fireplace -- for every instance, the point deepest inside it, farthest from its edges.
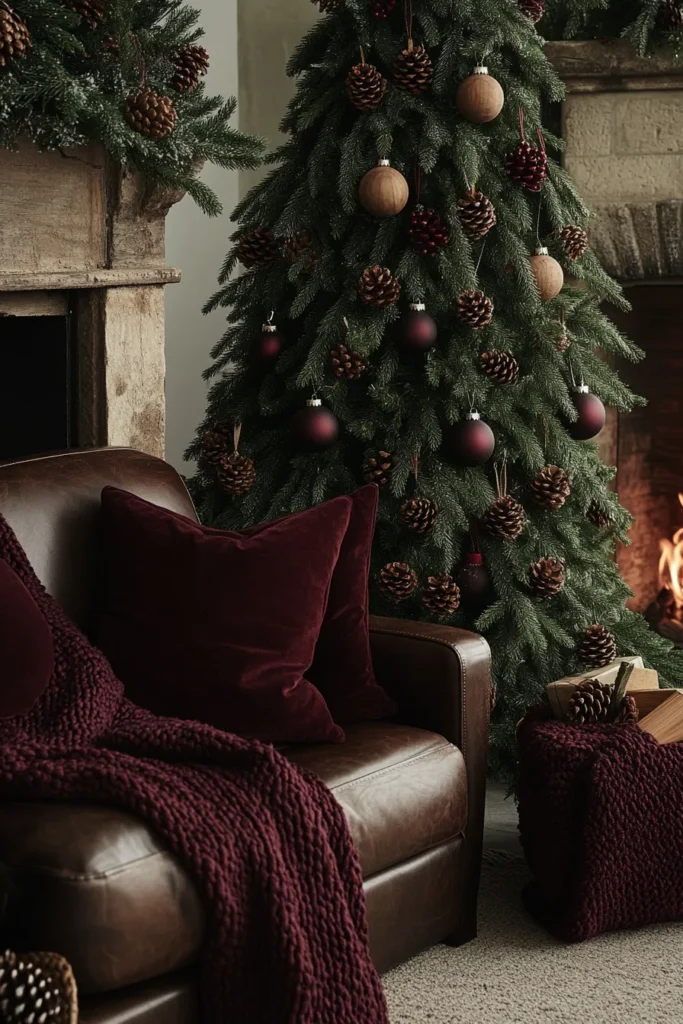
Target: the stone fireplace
(82, 276)
(623, 126)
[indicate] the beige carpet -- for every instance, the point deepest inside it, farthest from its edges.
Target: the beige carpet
(514, 973)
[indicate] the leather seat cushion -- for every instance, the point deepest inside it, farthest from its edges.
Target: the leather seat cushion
(98, 886)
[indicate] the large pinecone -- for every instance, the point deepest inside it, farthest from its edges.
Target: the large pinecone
(441, 595)
(533, 9)
(590, 702)
(398, 581)
(501, 367)
(546, 577)
(413, 69)
(382, 8)
(474, 309)
(296, 245)
(528, 166)
(477, 214)
(670, 14)
(150, 113)
(15, 40)
(377, 468)
(237, 474)
(365, 87)
(628, 713)
(190, 63)
(419, 514)
(91, 11)
(505, 519)
(37, 988)
(428, 233)
(574, 240)
(551, 488)
(346, 364)
(598, 516)
(378, 287)
(258, 248)
(216, 443)
(598, 647)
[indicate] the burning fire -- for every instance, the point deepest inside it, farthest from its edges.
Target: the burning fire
(671, 565)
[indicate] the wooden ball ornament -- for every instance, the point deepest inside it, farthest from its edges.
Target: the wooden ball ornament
(383, 191)
(480, 98)
(547, 274)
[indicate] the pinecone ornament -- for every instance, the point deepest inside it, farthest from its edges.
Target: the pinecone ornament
(476, 213)
(598, 647)
(345, 364)
(546, 577)
(419, 514)
(377, 468)
(216, 443)
(505, 518)
(150, 113)
(413, 69)
(628, 713)
(365, 87)
(441, 595)
(257, 249)
(37, 988)
(190, 63)
(598, 516)
(670, 15)
(551, 488)
(92, 11)
(500, 367)
(237, 474)
(378, 287)
(574, 241)
(15, 40)
(533, 9)
(296, 245)
(398, 581)
(590, 703)
(381, 9)
(528, 166)
(474, 309)
(428, 234)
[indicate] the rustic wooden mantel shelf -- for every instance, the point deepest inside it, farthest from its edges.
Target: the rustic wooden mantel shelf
(71, 280)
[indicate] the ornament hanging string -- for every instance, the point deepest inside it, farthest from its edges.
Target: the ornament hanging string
(474, 537)
(501, 474)
(236, 434)
(538, 218)
(139, 59)
(362, 55)
(476, 269)
(408, 16)
(414, 465)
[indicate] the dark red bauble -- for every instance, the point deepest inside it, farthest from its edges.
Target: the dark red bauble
(471, 441)
(314, 427)
(416, 330)
(269, 346)
(592, 415)
(476, 586)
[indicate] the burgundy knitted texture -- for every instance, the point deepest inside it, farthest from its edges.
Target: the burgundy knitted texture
(601, 824)
(266, 843)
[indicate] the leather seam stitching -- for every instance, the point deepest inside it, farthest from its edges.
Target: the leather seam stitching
(442, 749)
(95, 876)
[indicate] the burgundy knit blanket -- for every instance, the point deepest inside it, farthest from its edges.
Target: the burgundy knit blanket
(267, 844)
(601, 824)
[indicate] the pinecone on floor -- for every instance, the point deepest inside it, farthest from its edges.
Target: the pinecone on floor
(476, 213)
(670, 15)
(590, 703)
(598, 516)
(37, 988)
(382, 8)
(190, 63)
(506, 518)
(299, 243)
(257, 249)
(533, 9)
(428, 233)
(377, 468)
(441, 596)
(378, 287)
(551, 488)
(345, 364)
(398, 581)
(628, 713)
(474, 309)
(500, 367)
(546, 577)
(413, 69)
(419, 514)
(15, 40)
(574, 241)
(365, 87)
(150, 113)
(237, 474)
(598, 647)
(91, 11)
(216, 443)
(528, 166)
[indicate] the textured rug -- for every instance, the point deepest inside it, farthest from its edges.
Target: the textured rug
(514, 973)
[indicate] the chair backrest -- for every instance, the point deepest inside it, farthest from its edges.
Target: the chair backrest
(52, 503)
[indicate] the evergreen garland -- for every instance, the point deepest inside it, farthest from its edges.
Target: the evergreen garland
(85, 61)
(647, 24)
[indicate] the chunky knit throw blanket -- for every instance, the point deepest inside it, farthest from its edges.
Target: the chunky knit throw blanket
(601, 824)
(266, 843)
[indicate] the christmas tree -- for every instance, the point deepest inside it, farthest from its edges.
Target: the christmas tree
(645, 23)
(445, 308)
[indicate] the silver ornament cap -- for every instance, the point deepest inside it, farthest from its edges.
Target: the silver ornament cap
(480, 70)
(541, 250)
(473, 416)
(314, 403)
(383, 161)
(417, 307)
(582, 389)
(269, 328)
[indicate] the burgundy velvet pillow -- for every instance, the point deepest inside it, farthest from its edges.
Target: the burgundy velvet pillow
(27, 657)
(219, 626)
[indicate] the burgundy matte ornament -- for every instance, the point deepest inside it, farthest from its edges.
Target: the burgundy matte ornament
(591, 412)
(314, 427)
(416, 330)
(470, 442)
(476, 586)
(269, 346)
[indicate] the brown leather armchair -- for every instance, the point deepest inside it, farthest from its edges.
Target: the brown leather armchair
(97, 885)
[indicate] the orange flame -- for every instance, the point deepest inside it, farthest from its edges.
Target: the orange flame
(671, 564)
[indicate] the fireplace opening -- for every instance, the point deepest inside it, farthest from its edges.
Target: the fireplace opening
(37, 412)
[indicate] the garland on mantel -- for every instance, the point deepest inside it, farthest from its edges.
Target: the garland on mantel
(126, 73)
(647, 24)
